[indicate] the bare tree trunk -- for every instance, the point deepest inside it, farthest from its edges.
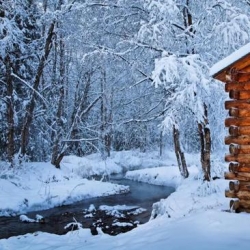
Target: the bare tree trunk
(31, 105)
(58, 150)
(80, 104)
(179, 154)
(161, 143)
(10, 112)
(205, 140)
(188, 24)
(106, 119)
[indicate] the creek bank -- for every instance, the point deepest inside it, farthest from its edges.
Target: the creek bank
(141, 196)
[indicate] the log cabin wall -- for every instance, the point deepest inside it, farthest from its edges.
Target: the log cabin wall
(238, 140)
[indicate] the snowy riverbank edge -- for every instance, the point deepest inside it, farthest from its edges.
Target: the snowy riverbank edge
(194, 215)
(37, 186)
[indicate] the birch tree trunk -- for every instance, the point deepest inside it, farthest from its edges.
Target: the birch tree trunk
(59, 149)
(179, 154)
(205, 140)
(106, 118)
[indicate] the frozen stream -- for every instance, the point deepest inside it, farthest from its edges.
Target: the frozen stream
(141, 195)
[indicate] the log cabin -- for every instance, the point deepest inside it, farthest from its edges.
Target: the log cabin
(234, 72)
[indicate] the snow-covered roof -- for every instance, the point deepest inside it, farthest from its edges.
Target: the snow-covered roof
(229, 60)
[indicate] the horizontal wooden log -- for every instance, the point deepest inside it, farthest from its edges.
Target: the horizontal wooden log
(239, 94)
(244, 76)
(245, 104)
(236, 131)
(234, 186)
(234, 121)
(243, 158)
(237, 186)
(235, 112)
(237, 86)
(242, 195)
(242, 210)
(234, 94)
(240, 176)
(239, 167)
(236, 149)
(233, 167)
(241, 140)
(237, 204)
(234, 204)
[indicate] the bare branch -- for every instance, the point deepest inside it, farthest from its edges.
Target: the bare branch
(29, 86)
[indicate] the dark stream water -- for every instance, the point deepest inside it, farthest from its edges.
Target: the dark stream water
(141, 194)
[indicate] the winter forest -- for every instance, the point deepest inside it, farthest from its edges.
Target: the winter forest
(80, 78)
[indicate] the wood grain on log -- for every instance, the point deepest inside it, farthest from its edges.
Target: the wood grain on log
(235, 112)
(232, 121)
(242, 195)
(242, 140)
(243, 158)
(237, 104)
(237, 204)
(236, 149)
(239, 167)
(244, 76)
(236, 131)
(234, 186)
(239, 186)
(237, 86)
(234, 204)
(239, 94)
(240, 176)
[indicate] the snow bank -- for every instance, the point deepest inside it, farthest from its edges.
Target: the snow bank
(195, 216)
(118, 162)
(191, 197)
(38, 186)
(165, 176)
(206, 230)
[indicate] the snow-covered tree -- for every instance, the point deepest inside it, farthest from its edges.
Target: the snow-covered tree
(192, 35)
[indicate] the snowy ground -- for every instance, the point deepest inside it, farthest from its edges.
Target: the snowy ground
(194, 217)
